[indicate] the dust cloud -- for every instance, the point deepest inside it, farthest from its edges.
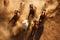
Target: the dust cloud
(51, 25)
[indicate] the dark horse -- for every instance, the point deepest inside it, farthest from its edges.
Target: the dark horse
(31, 14)
(40, 26)
(15, 18)
(13, 21)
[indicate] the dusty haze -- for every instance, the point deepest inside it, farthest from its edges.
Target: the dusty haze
(51, 29)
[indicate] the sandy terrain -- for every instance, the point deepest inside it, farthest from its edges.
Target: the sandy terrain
(50, 29)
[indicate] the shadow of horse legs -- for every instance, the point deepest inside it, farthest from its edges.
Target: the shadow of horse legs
(39, 31)
(31, 35)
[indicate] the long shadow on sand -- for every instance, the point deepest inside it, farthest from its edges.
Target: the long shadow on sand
(40, 29)
(36, 34)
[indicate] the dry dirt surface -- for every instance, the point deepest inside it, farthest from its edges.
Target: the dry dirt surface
(49, 30)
